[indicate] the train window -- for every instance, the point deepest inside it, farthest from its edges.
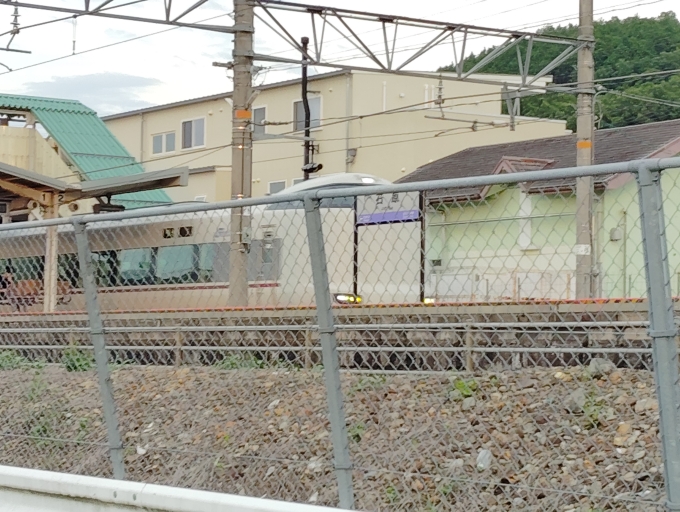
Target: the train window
(136, 266)
(106, 268)
(177, 264)
(69, 270)
(206, 262)
(29, 268)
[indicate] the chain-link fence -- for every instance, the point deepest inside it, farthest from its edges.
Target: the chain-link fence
(384, 347)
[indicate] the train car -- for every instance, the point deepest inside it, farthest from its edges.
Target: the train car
(182, 261)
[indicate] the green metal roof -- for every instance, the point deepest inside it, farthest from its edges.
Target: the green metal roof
(87, 142)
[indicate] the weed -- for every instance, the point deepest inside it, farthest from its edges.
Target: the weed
(38, 387)
(10, 360)
(218, 465)
(119, 365)
(83, 424)
(391, 494)
(356, 432)
(466, 387)
(370, 382)
(250, 362)
(75, 360)
(592, 410)
(495, 381)
(42, 430)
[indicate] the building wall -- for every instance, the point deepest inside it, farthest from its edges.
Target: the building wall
(387, 145)
(16, 146)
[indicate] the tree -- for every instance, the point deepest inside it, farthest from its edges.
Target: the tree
(623, 47)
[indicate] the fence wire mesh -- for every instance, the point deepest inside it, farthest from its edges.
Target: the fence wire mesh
(474, 373)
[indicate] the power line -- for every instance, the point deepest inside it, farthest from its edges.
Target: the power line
(397, 141)
(136, 38)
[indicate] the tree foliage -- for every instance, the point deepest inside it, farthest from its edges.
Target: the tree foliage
(623, 47)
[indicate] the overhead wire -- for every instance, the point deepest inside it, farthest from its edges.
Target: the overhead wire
(542, 23)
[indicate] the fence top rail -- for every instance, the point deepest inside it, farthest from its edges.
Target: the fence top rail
(418, 186)
(30, 489)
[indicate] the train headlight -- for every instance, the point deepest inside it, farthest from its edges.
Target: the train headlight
(347, 298)
(428, 300)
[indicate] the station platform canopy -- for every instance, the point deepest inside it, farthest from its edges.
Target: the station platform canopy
(18, 183)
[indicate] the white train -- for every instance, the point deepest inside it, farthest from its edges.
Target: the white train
(182, 261)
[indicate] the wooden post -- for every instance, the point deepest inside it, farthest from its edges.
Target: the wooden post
(51, 271)
(469, 343)
(179, 343)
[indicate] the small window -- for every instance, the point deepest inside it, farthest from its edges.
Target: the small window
(298, 180)
(259, 116)
(276, 186)
(163, 143)
(193, 133)
(314, 114)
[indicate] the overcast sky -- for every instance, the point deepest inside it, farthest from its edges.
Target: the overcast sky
(177, 64)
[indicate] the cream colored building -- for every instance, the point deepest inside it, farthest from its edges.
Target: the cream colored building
(386, 125)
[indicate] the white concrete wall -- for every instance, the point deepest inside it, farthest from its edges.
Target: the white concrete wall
(388, 145)
(28, 490)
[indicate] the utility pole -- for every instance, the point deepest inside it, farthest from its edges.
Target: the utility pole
(305, 104)
(584, 152)
(242, 151)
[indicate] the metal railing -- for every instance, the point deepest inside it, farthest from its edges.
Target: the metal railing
(367, 365)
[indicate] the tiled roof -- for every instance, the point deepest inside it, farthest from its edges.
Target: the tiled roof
(611, 145)
(87, 142)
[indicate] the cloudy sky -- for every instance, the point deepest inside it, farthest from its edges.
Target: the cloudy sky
(142, 64)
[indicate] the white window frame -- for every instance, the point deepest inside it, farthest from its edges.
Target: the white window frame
(315, 128)
(295, 181)
(269, 186)
(252, 126)
(164, 146)
(181, 133)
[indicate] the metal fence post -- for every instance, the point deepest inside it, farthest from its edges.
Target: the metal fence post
(329, 351)
(100, 354)
(662, 328)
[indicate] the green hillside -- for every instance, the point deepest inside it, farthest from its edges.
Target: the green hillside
(623, 47)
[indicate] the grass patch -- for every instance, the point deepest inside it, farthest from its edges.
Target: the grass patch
(356, 432)
(11, 360)
(251, 362)
(75, 360)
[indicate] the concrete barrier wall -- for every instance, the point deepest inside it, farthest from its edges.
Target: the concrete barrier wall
(28, 490)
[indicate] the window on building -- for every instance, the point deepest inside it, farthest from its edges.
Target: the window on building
(163, 143)
(314, 114)
(259, 116)
(300, 180)
(276, 186)
(193, 133)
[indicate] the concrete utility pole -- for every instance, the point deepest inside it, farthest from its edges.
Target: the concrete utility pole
(305, 104)
(242, 151)
(584, 153)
